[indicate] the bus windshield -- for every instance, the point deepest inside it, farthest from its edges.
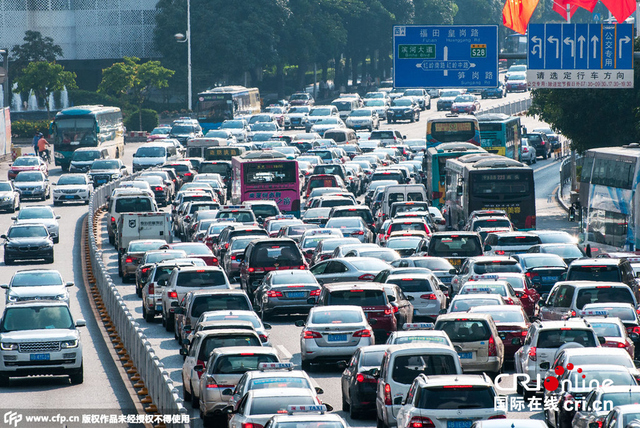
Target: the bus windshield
(76, 131)
(449, 131)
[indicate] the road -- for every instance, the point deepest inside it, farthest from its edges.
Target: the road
(103, 387)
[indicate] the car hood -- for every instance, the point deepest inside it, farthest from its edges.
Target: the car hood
(47, 334)
(5, 194)
(24, 241)
(103, 171)
(46, 221)
(25, 168)
(70, 187)
(38, 291)
(28, 183)
(316, 118)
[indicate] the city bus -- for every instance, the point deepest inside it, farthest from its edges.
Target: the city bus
(500, 134)
(487, 183)
(433, 165)
(225, 103)
(609, 201)
(86, 126)
(452, 128)
(267, 179)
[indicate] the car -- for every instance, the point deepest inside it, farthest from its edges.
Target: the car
(541, 142)
(312, 416)
(420, 332)
(604, 269)
(482, 265)
(424, 291)
(36, 284)
(403, 108)
(40, 338)
(32, 185)
(544, 270)
(552, 136)
(259, 405)
(184, 131)
(333, 333)
(9, 197)
(317, 113)
(103, 171)
(195, 250)
(239, 128)
(568, 252)
(73, 188)
(457, 247)
(466, 103)
(512, 324)
(225, 368)
(353, 227)
(595, 411)
(27, 163)
(148, 260)
(434, 401)
(363, 118)
(27, 242)
(326, 124)
(499, 92)
(490, 222)
(233, 256)
(230, 316)
(160, 132)
(464, 302)
(301, 99)
(287, 291)
(295, 117)
(517, 82)
(625, 312)
(40, 214)
(158, 186)
(421, 96)
(407, 244)
(341, 269)
(446, 98)
(613, 331)
(507, 243)
(128, 262)
(440, 267)
(527, 152)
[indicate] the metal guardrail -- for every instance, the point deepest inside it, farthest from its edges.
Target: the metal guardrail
(159, 385)
(510, 108)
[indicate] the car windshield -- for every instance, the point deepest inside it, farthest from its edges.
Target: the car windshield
(491, 223)
(606, 329)
(71, 179)
(150, 152)
(30, 279)
(296, 277)
(36, 318)
(240, 364)
(28, 213)
(312, 242)
(464, 99)
(241, 243)
(298, 109)
(183, 129)
(27, 232)
(26, 161)
(420, 338)
(465, 330)
(463, 305)
(555, 338)
(331, 316)
(6, 187)
(401, 102)
(407, 367)
(164, 255)
(105, 164)
(85, 155)
(569, 250)
(161, 130)
(362, 112)
(368, 265)
(517, 77)
(456, 397)
(449, 94)
(29, 177)
(455, 245)
(320, 112)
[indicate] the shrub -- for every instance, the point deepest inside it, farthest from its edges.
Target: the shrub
(28, 128)
(149, 120)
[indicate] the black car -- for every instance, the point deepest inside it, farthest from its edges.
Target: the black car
(105, 170)
(403, 108)
(541, 142)
(358, 382)
(27, 242)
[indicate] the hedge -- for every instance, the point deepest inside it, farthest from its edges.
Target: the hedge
(28, 128)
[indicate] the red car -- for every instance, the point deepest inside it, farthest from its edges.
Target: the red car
(159, 133)
(466, 103)
(512, 323)
(194, 249)
(27, 163)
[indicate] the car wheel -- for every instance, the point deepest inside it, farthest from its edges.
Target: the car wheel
(55, 204)
(306, 366)
(77, 377)
(13, 209)
(50, 259)
(345, 405)
(8, 261)
(413, 118)
(164, 320)
(112, 239)
(148, 317)
(186, 396)
(380, 423)
(4, 380)
(169, 323)
(138, 291)
(353, 413)
(56, 240)
(195, 401)
(544, 155)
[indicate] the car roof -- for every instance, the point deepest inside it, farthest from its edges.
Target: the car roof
(608, 261)
(457, 233)
(466, 315)
(341, 308)
(486, 259)
(399, 275)
(592, 284)
(425, 348)
(573, 323)
(510, 423)
(233, 350)
(354, 285)
(465, 379)
(226, 331)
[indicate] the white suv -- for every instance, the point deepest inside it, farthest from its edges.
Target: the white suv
(40, 338)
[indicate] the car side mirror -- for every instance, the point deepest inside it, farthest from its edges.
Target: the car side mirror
(319, 390)
(602, 340)
(634, 336)
(545, 365)
(372, 321)
(3, 236)
(5, 286)
(442, 311)
(183, 352)
(266, 326)
(69, 284)
(299, 323)
(14, 218)
(81, 323)
(58, 217)
(342, 364)
(453, 271)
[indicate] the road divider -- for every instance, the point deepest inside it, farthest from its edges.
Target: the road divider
(511, 108)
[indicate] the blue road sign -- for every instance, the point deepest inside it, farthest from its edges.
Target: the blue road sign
(455, 56)
(596, 17)
(580, 55)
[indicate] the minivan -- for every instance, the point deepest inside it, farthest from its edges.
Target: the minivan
(153, 154)
(345, 106)
(83, 157)
(342, 136)
(127, 203)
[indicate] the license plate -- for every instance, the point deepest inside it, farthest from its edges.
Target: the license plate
(549, 278)
(459, 424)
(69, 197)
(465, 355)
(296, 294)
(337, 338)
(39, 357)
(159, 308)
(503, 336)
(101, 181)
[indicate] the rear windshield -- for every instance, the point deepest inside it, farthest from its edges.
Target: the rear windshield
(555, 338)
(222, 169)
(407, 226)
(534, 262)
(371, 359)
(517, 241)
(276, 405)
(463, 397)
(625, 314)
(459, 246)
(352, 212)
(433, 264)
(201, 278)
(388, 176)
(278, 382)
(603, 295)
(491, 267)
(213, 342)
(409, 208)
(329, 169)
(240, 364)
(463, 305)
(357, 297)
(594, 273)
(281, 254)
(265, 210)
(465, 330)
(337, 202)
(407, 367)
(491, 223)
(606, 329)
(418, 338)
(409, 285)
(329, 316)
(219, 302)
(239, 216)
(133, 205)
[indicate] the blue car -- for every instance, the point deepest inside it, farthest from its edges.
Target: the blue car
(499, 92)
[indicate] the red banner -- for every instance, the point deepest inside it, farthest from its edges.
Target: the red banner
(517, 13)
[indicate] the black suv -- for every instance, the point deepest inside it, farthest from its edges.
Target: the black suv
(604, 269)
(221, 244)
(331, 168)
(541, 142)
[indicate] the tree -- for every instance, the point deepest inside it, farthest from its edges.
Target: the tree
(134, 80)
(35, 48)
(474, 12)
(44, 78)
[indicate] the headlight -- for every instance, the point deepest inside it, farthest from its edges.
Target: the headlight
(61, 297)
(12, 298)
(9, 346)
(45, 247)
(115, 175)
(58, 155)
(69, 344)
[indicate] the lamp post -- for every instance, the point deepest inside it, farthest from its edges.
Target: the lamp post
(181, 38)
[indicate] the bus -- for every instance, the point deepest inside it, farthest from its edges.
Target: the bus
(433, 164)
(267, 179)
(500, 134)
(222, 153)
(609, 201)
(225, 103)
(86, 126)
(487, 183)
(452, 128)
(196, 146)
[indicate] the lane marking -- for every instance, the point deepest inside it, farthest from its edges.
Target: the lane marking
(285, 353)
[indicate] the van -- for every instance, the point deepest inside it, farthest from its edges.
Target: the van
(196, 146)
(153, 154)
(83, 157)
(401, 364)
(345, 107)
(507, 243)
(401, 193)
(341, 136)
(129, 202)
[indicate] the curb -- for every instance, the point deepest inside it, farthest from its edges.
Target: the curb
(556, 192)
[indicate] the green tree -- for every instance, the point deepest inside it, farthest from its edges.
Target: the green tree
(35, 48)
(478, 12)
(44, 78)
(132, 79)
(435, 12)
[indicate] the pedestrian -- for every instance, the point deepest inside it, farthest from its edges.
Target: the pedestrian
(34, 143)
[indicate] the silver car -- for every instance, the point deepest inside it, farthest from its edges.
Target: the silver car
(72, 188)
(9, 197)
(348, 269)
(286, 291)
(40, 214)
(353, 227)
(333, 333)
(37, 284)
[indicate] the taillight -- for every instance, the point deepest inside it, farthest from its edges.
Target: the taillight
(144, 270)
(388, 311)
(113, 219)
(308, 334)
(366, 277)
(573, 313)
(274, 293)
(358, 233)
(251, 270)
(362, 333)
(233, 257)
(636, 330)
(498, 417)
(493, 351)
(421, 422)
(532, 354)
(387, 395)
(128, 260)
(315, 292)
(429, 296)
(621, 345)
(226, 246)
(187, 218)
(500, 252)
(152, 289)
(362, 378)
(172, 294)
(532, 274)
(250, 425)
(159, 189)
(394, 309)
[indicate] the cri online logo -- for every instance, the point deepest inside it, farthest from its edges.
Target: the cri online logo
(551, 383)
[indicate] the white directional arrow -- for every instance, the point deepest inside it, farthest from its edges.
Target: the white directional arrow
(594, 41)
(625, 39)
(537, 47)
(570, 41)
(581, 40)
(552, 39)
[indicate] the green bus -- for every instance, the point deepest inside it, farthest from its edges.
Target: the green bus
(433, 165)
(500, 134)
(86, 126)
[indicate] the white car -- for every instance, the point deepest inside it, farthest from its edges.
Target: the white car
(40, 214)
(363, 118)
(72, 188)
(37, 284)
(327, 123)
(424, 291)
(260, 405)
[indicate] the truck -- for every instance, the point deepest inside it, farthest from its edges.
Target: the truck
(143, 225)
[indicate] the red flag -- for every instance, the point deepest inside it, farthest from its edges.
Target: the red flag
(517, 13)
(560, 6)
(621, 9)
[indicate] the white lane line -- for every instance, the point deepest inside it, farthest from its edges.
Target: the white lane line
(284, 352)
(547, 166)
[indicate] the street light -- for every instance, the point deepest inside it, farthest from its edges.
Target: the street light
(181, 38)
